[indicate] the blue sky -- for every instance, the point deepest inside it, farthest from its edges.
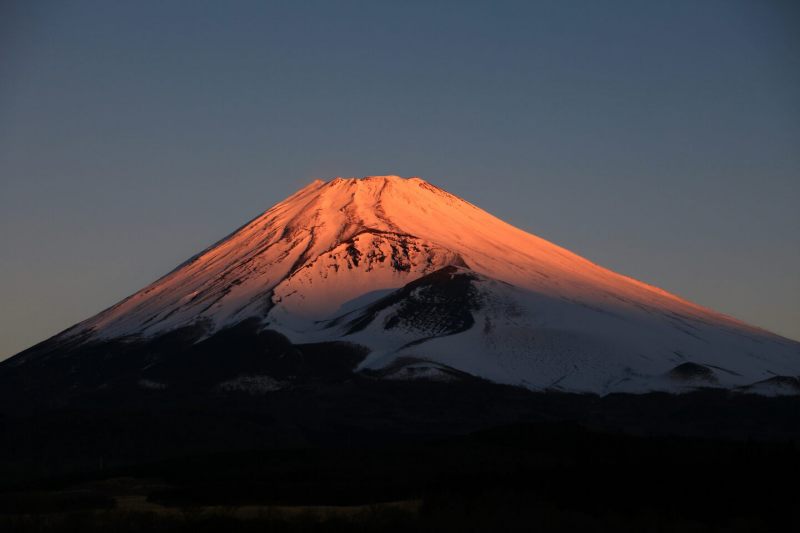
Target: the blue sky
(660, 139)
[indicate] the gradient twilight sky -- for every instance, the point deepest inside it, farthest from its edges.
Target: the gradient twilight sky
(659, 139)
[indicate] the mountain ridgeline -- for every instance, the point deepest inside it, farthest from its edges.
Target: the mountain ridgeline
(395, 279)
(382, 316)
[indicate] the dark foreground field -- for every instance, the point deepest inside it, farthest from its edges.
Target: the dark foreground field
(133, 436)
(535, 477)
(375, 455)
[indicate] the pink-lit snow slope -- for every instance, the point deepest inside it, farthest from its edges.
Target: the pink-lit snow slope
(300, 255)
(335, 246)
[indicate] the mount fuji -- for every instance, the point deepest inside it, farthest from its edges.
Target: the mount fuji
(392, 279)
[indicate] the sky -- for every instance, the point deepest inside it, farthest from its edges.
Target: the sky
(659, 139)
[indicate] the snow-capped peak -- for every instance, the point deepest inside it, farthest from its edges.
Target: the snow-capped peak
(308, 255)
(336, 247)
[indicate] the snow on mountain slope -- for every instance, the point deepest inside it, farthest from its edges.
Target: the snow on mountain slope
(495, 330)
(418, 275)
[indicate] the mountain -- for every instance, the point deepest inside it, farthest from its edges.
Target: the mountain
(395, 279)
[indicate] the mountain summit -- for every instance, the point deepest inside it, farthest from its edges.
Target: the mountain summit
(421, 284)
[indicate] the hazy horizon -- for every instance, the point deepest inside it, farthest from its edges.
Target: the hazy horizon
(662, 142)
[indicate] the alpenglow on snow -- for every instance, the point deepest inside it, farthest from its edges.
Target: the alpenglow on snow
(433, 287)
